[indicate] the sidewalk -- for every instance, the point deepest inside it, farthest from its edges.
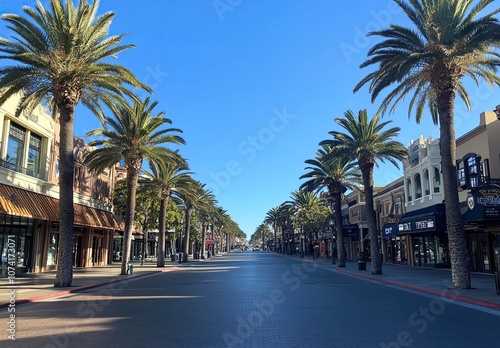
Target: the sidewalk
(40, 286)
(435, 281)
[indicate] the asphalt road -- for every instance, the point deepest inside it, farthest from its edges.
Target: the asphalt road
(251, 299)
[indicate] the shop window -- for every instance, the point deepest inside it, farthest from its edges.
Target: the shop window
(53, 248)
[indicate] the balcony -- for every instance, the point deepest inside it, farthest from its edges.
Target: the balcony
(26, 171)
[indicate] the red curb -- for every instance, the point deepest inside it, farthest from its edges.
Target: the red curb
(81, 288)
(442, 293)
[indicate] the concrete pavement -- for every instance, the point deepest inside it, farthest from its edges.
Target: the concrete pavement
(39, 286)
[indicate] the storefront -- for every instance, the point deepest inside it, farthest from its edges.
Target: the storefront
(426, 238)
(393, 245)
(351, 240)
(482, 226)
(29, 229)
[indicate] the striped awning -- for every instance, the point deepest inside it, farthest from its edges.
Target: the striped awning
(16, 201)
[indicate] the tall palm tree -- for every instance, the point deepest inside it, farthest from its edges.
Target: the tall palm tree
(166, 176)
(337, 174)
(366, 142)
(134, 133)
(62, 55)
(307, 209)
(273, 216)
(449, 41)
(193, 196)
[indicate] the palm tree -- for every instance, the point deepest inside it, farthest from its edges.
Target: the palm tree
(134, 134)
(273, 218)
(337, 174)
(366, 142)
(306, 212)
(449, 42)
(62, 56)
(193, 196)
(165, 177)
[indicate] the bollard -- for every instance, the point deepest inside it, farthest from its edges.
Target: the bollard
(130, 268)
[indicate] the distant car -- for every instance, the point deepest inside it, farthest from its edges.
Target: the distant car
(256, 249)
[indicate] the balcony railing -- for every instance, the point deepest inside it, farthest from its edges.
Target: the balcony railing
(26, 171)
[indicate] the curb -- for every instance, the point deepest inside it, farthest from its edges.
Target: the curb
(85, 288)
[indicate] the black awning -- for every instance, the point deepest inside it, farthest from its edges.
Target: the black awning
(429, 219)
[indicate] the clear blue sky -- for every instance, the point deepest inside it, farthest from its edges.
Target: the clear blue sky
(255, 85)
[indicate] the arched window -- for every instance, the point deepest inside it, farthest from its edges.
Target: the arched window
(418, 186)
(409, 190)
(427, 184)
(437, 180)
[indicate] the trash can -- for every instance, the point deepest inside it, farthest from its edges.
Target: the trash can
(361, 261)
(172, 257)
(497, 281)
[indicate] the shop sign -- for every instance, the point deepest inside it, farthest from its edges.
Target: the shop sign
(404, 227)
(424, 224)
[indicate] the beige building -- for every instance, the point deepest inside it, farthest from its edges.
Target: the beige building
(29, 169)
(478, 152)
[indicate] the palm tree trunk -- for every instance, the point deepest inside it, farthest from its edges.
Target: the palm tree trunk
(460, 272)
(160, 260)
(376, 262)
(203, 238)
(132, 177)
(337, 204)
(64, 276)
(185, 247)
(145, 239)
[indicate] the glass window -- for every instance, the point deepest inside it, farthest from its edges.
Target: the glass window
(398, 208)
(34, 153)
(408, 190)
(15, 145)
(437, 180)
(426, 183)
(418, 186)
(52, 252)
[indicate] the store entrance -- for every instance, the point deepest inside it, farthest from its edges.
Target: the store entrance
(480, 253)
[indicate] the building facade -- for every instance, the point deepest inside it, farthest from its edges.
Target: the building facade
(29, 191)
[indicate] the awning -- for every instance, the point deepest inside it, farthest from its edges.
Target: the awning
(16, 201)
(429, 219)
(390, 230)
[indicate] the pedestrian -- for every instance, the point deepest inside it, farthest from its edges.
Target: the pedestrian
(208, 253)
(315, 251)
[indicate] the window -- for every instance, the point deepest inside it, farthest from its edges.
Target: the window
(387, 208)
(52, 250)
(15, 146)
(24, 151)
(398, 208)
(426, 183)
(408, 189)
(418, 186)
(34, 154)
(437, 180)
